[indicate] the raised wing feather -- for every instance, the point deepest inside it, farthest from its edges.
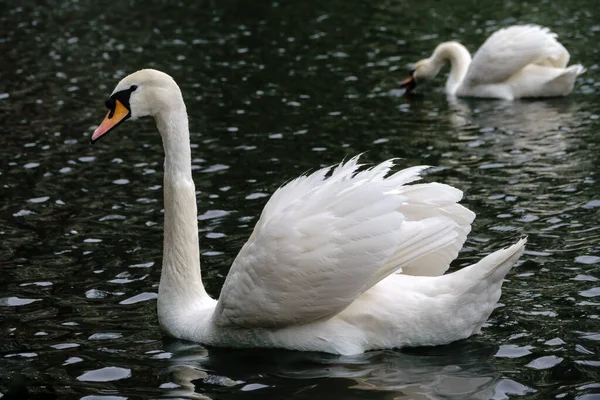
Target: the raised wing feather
(322, 241)
(429, 200)
(510, 49)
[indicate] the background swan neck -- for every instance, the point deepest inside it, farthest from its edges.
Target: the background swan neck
(459, 58)
(181, 281)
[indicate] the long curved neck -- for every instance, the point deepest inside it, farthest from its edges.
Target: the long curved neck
(180, 282)
(459, 58)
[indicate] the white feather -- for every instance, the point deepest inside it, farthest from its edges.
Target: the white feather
(511, 49)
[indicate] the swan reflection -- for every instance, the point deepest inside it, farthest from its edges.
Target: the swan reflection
(527, 116)
(540, 131)
(458, 371)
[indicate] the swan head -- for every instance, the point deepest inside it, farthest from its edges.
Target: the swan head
(423, 70)
(147, 92)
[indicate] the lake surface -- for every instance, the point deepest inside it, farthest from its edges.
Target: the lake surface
(275, 89)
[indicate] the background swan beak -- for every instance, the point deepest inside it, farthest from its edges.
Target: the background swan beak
(114, 117)
(409, 84)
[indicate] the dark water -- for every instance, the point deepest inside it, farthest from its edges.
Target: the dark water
(274, 89)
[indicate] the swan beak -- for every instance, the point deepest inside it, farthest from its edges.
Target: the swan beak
(409, 84)
(115, 116)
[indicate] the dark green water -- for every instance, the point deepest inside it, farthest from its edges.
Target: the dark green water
(274, 89)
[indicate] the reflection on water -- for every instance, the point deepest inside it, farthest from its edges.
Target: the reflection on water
(458, 372)
(81, 227)
(533, 117)
(537, 132)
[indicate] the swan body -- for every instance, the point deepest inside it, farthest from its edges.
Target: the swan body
(514, 62)
(343, 263)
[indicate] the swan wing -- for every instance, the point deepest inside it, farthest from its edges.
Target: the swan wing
(323, 240)
(509, 50)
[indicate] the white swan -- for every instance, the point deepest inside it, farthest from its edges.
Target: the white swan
(514, 62)
(333, 262)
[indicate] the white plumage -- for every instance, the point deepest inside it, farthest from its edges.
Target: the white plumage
(514, 62)
(343, 260)
(322, 242)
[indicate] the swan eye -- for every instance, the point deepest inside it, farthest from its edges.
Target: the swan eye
(132, 88)
(110, 103)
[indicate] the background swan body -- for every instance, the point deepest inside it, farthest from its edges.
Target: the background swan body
(514, 62)
(343, 263)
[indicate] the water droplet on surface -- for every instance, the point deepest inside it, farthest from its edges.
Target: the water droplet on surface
(112, 217)
(592, 204)
(587, 259)
(15, 301)
(142, 265)
(215, 168)
(38, 199)
(581, 277)
(24, 355)
(105, 336)
(215, 235)
(253, 386)
(169, 385)
(146, 296)
(593, 292)
(161, 356)
(62, 346)
(23, 213)
(545, 362)
(256, 196)
(513, 351)
(72, 360)
(107, 374)
(210, 214)
(554, 342)
(43, 284)
(508, 386)
(212, 253)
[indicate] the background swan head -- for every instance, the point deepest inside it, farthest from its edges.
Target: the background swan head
(423, 70)
(147, 92)
(428, 68)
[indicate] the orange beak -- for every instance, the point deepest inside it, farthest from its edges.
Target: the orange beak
(409, 84)
(114, 117)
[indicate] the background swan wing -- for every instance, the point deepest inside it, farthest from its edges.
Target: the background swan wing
(509, 50)
(322, 241)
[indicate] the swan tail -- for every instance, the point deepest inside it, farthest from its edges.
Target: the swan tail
(577, 69)
(478, 287)
(563, 81)
(490, 271)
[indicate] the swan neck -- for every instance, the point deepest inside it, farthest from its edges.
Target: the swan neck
(459, 58)
(181, 280)
(174, 130)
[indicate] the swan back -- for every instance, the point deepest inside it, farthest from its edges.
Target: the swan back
(509, 50)
(323, 241)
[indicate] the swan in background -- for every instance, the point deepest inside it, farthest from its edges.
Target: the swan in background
(340, 263)
(514, 62)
